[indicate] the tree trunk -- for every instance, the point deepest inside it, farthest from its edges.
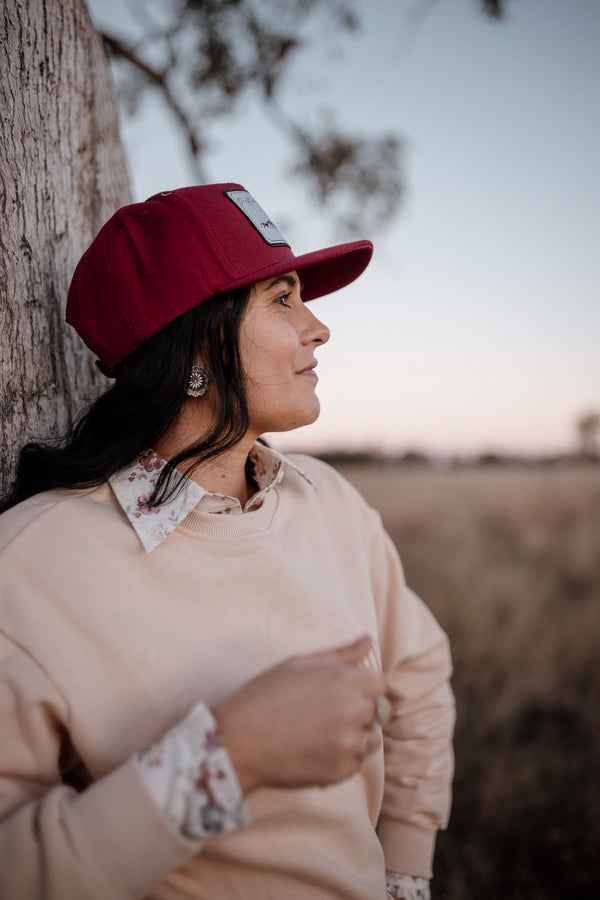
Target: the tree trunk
(62, 174)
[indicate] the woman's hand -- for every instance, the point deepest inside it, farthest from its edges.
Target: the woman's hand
(308, 721)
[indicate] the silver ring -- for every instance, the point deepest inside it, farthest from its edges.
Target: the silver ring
(379, 712)
(370, 746)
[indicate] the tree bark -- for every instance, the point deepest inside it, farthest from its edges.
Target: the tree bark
(62, 174)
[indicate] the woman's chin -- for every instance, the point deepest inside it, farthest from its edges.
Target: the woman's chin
(291, 421)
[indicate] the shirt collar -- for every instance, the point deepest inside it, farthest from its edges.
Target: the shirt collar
(133, 487)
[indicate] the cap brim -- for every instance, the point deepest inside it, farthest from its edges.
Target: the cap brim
(325, 271)
(321, 272)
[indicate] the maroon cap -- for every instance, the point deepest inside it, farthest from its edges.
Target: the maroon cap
(154, 261)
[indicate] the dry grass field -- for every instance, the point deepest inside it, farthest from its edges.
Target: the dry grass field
(508, 559)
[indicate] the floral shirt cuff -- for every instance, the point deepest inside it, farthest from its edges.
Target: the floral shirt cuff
(405, 887)
(191, 777)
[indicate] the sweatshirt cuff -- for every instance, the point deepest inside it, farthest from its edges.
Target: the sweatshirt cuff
(407, 848)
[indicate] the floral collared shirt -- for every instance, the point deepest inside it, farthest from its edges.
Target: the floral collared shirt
(189, 772)
(133, 488)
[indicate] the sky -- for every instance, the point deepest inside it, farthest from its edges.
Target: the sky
(476, 327)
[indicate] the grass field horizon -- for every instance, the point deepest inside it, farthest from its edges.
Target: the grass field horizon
(508, 559)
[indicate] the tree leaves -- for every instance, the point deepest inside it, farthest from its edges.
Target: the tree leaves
(206, 56)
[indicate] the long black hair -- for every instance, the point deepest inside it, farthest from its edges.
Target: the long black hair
(145, 400)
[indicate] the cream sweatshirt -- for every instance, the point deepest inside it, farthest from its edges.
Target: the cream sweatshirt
(105, 647)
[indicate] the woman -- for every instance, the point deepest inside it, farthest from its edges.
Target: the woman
(201, 639)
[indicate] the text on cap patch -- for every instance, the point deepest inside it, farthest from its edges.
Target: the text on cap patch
(256, 214)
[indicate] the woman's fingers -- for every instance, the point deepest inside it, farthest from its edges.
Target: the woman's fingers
(308, 721)
(346, 655)
(373, 682)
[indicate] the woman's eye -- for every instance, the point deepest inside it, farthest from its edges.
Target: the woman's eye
(283, 301)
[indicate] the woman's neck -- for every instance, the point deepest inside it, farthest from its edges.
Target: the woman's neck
(226, 473)
(223, 474)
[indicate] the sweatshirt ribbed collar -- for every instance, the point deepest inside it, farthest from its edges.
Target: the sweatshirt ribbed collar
(133, 487)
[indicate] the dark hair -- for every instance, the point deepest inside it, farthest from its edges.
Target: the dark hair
(145, 400)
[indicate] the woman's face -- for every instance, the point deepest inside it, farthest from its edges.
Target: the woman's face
(278, 338)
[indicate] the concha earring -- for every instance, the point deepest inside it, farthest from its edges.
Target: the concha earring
(198, 382)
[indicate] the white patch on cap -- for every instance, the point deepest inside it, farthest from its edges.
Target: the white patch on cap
(256, 214)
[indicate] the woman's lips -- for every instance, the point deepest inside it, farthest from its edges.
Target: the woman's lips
(309, 370)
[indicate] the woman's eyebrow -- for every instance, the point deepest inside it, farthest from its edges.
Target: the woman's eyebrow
(289, 279)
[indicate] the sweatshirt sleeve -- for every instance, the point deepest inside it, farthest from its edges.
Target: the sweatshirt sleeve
(418, 737)
(110, 840)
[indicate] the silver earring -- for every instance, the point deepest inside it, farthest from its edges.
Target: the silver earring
(198, 382)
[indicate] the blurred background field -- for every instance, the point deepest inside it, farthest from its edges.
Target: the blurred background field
(508, 559)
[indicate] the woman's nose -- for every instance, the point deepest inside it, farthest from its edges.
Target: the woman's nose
(315, 331)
